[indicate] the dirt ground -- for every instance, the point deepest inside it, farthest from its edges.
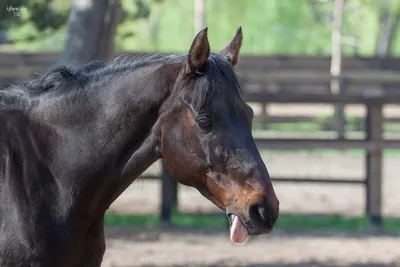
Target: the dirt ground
(157, 247)
(185, 248)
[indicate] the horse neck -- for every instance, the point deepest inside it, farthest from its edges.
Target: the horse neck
(13, 98)
(116, 140)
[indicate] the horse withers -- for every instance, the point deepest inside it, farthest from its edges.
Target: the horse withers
(74, 139)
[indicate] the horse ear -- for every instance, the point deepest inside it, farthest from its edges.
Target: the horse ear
(231, 51)
(199, 52)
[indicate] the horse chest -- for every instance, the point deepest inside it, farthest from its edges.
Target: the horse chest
(58, 247)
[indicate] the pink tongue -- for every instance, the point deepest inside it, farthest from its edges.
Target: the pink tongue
(238, 231)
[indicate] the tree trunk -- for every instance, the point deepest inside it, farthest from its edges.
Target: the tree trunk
(199, 15)
(336, 64)
(387, 29)
(91, 30)
(154, 25)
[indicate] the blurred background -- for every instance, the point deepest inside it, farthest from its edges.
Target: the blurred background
(323, 77)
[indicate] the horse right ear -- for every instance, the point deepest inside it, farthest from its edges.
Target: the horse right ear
(231, 51)
(198, 53)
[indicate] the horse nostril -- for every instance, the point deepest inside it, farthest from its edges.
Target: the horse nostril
(257, 213)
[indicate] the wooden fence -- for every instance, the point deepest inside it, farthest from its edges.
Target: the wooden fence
(373, 144)
(275, 74)
(373, 82)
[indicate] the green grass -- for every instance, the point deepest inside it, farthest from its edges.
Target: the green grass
(318, 126)
(327, 152)
(148, 220)
(183, 220)
(285, 222)
(333, 222)
(318, 123)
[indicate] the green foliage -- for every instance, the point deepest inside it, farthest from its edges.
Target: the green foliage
(7, 13)
(43, 14)
(38, 25)
(285, 222)
(270, 27)
(41, 25)
(135, 28)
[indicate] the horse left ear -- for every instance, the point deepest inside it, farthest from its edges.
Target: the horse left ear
(199, 52)
(231, 51)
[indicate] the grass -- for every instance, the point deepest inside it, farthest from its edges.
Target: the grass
(321, 122)
(318, 126)
(285, 222)
(327, 152)
(333, 222)
(149, 220)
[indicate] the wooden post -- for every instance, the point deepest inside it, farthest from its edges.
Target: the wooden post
(169, 200)
(336, 64)
(264, 116)
(339, 110)
(374, 127)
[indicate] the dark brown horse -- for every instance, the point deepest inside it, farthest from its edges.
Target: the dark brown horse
(73, 140)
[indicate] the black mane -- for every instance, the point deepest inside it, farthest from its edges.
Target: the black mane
(65, 79)
(207, 86)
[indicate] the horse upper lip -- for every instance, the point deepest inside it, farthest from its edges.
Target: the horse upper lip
(232, 216)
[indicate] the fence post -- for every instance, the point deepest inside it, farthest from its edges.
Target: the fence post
(340, 108)
(264, 116)
(374, 127)
(340, 118)
(169, 199)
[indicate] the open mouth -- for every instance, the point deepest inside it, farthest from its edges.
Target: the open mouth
(239, 232)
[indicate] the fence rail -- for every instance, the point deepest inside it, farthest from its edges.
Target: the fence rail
(372, 82)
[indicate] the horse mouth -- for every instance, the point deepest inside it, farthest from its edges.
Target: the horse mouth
(238, 231)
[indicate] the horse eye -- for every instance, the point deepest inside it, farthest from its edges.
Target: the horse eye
(204, 121)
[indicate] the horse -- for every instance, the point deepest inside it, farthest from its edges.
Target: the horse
(73, 139)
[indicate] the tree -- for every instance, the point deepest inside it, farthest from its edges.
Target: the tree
(139, 24)
(91, 30)
(336, 63)
(199, 15)
(34, 24)
(42, 24)
(42, 13)
(388, 25)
